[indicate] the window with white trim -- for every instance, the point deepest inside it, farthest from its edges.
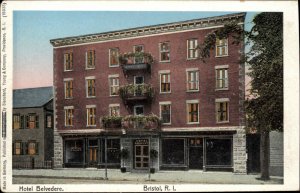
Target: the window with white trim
(165, 82)
(90, 88)
(165, 113)
(222, 47)
(192, 111)
(114, 110)
(113, 85)
(192, 51)
(68, 61)
(91, 116)
(68, 89)
(69, 116)
(221, 78)
(114, 57)
(90, 59)
(164, 50)
(139, 58)
(192, 80)
(222, 111)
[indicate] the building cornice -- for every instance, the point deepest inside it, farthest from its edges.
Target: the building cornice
(149, 30)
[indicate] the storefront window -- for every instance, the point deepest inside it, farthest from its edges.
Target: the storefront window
(113, 150)
(173, 151)
(74, 151)
(218, 152)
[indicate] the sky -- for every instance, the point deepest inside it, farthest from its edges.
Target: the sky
(32, 31)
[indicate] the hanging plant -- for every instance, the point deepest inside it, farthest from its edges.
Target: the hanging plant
(127, 58)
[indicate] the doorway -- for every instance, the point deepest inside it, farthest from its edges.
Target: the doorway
(141, 154)
(253, 151)
(196, 153)
(93, 152)
(138, 82)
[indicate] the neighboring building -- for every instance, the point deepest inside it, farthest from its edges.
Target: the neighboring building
(32, 125)
(156, 69)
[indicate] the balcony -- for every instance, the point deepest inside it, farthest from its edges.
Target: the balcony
(141, 123)
(131, 93)
(136, 61)
(132, 123)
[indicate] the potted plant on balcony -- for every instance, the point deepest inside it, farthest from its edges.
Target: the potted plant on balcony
(153, 155)
(124, 154)
(111, 121)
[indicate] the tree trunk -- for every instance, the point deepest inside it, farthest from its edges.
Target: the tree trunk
(265, 155)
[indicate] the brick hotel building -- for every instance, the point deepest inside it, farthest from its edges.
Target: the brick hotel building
(145, 90)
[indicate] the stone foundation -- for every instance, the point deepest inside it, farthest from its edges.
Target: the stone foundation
(58, 150)
(239, 152)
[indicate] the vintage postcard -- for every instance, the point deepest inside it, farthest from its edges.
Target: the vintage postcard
(149, 96)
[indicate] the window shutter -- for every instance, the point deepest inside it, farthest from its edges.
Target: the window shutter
(37, 148)
(22, 122)
(86, 59)
(14, 148)
(36, 121)
(27, 121)
(71, 60)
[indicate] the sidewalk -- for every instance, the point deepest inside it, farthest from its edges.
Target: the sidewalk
(192, 176)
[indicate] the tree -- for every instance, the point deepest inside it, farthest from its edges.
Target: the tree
(264, 107)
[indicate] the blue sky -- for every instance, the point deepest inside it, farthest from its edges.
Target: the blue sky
(33, 54)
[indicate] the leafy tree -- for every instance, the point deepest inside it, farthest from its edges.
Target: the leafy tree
(264, 107)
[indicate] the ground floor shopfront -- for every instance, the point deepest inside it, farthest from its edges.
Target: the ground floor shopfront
(200, 150)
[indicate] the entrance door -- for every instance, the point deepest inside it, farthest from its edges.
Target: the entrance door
(141, 153)
(253, 151)
(196, 153)
(93, 153)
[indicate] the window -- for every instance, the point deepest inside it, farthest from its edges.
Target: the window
(91, 116)
(165, 112)
(173, 151)
(222, 78)
(221, 47)
(69, 89)
(90, 59)
(74, 151)
(192, 111)
(192, 81)
(48, 121)
(192, 51)
(90, 87)
(113, 85)
(114, 57)
(68, 61)
(222, 111)
(17, 121)
(165, 82)
(164, 50)
(32, 121)
(218, 152)
(113, 150)
(139, 49)
(69, 111)
(18, 148)
(32, 148)
(138, 110)
(114, 110)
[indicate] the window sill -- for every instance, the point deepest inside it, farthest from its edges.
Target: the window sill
(191, 59)
(222, 56)
(166, 61)
(193, 123)
(165, 92)
(91, 125)
(192, 91)
(68, 70)
(114, 66)
(218, 89)
(90, 68)
(166, 123)
(91, 97)
(222, 122)
(69, 98)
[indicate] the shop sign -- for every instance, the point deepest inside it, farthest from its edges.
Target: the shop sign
(141, 142)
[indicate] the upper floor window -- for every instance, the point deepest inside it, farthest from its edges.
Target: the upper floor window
(193, 111)
(222, 110)
(17, 121)
(164, 49)
(90, 59)
(221, 47)
(91, 116)
(69, 111)
(48, 121)
(138, 49)
(90, 87)
(32, 148)
(32, 121)
(165, 82)
(114, 110)
(192, 51)
(68, 61)
(114, 57)
(192, 80)
(165, 112)
(18, 150)
(113, 85)
(222, 78)
(68, 88)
